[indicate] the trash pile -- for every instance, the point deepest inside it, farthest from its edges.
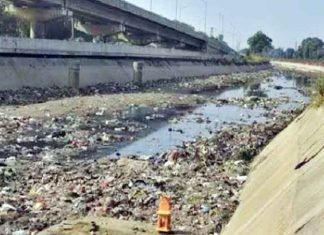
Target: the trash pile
(203, 177)
(29, 138)
(48, 171)
(32, 95)
(221, 82)
(76, 136)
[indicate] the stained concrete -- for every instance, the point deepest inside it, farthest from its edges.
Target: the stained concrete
(284, 194)
(50, 47)
(46, 72)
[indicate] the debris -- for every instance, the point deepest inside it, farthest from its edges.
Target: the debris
(205, 209)
(7, 207)
(51, 169)
(94, 228)
(242, 179)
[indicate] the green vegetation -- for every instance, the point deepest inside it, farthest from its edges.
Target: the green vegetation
(319, 97)
(259, 43)
(255, 59)
(10, 26)
(311, 48)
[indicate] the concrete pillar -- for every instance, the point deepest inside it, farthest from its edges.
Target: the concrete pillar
(74, 77)
(32, 30)
(37, 29)
(72, 28)
(138, 73)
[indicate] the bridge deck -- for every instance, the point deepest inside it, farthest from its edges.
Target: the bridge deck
(135, 19)
(25, 46)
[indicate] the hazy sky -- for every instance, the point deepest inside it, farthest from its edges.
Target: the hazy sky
(287, 22)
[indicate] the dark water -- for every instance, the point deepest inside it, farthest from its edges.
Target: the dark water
(210, 117)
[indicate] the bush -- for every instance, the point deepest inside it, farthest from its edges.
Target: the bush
(319, 98)
(320, 86)
(255, 59)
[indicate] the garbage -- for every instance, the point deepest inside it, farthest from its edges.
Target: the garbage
(21, 232)
(11, 161)
(205, 209)
(51, 167)
(7, 207)
(242, 179)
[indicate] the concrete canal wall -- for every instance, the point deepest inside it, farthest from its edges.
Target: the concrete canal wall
(18, 72)
(284, 194)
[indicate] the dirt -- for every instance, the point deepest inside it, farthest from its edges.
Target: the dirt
(103, 226)
(91, 104)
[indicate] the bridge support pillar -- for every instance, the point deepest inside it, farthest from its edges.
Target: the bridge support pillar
(74, 77)
(138, 73)
(37, 29)
(72, 28)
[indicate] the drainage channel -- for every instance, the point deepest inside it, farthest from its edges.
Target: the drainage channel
(208, 118)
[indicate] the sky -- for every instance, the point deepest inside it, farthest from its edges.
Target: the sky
(287, 22)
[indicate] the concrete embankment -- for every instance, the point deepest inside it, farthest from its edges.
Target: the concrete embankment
(285, 190)
(18, 72)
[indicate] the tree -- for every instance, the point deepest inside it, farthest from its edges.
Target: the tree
(10, 26)
(276, 53)
(311, 48)
(290, 53)
(260, 42)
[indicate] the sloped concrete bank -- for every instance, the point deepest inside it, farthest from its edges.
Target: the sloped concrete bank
(285, 190)
(18, 72)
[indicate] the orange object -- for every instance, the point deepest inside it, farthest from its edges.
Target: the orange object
(164, 215)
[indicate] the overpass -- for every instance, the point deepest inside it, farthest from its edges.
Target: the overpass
(45, 48)
(114, 20)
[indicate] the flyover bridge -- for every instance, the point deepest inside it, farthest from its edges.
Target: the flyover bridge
(115, 20)
(45, 48)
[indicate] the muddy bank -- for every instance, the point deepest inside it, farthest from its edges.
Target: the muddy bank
(43, 180)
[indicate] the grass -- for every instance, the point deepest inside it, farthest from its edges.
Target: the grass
(319, 97)
(255, 59)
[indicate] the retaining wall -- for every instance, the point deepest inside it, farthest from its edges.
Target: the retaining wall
(45, 72)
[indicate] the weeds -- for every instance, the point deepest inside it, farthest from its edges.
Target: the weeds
(256, 59)
(319, 97)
